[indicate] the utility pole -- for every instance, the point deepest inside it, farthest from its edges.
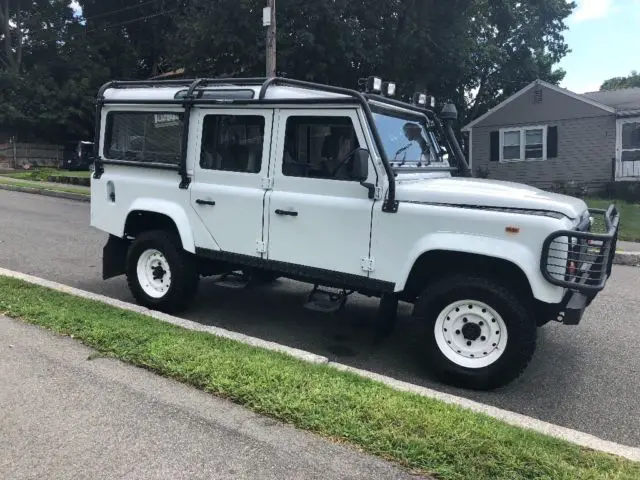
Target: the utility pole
(269, 20)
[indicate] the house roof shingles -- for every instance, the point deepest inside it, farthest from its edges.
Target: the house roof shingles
(622, 100)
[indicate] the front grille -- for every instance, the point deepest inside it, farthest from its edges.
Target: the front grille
(582, 259)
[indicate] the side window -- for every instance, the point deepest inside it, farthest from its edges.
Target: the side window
(319, 147)
(145, 137)
(232, 143)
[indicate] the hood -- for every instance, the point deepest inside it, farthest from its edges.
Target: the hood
(487, 193)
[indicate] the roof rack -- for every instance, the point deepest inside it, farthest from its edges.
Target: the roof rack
(189, 99)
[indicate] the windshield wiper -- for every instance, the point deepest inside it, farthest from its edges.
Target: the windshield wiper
(401, 150)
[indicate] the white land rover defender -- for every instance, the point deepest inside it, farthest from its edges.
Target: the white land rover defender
(350, 191)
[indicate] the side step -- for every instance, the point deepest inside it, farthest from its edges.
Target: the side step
(325, 301)
(234, 280)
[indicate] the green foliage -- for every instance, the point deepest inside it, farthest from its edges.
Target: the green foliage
(616, 83)
(489, 47)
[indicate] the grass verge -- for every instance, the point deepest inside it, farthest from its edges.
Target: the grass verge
(41, 174)
(419, 433)
(629, 217)
(54, 188)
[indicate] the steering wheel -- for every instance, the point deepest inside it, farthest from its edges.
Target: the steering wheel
(343, 161)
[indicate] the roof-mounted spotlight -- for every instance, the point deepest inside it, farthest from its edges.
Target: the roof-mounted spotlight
(374, 84)
(424, 100)
(420, 99)
(389, 89)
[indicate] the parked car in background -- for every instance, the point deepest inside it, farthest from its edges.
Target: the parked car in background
(77, 156)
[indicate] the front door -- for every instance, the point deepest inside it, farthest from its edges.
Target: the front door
(318, 216)
(231, 162)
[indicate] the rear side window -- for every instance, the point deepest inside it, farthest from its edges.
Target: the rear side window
(232, 143)
(145, 137)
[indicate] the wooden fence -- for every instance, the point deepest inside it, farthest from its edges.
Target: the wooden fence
(19, 154)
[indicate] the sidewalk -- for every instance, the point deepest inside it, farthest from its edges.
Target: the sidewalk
(628, 246)
(63, 416)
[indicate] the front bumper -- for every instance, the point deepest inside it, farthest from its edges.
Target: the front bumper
(580, 261)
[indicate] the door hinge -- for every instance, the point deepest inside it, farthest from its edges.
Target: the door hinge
(368, 264)
(261, 247)
(267, 183)
(378, 193)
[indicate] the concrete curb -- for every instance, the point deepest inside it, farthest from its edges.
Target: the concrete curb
(512, 418)
(631, 259)
(47, 193)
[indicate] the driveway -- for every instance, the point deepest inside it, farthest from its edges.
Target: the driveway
(585, 377)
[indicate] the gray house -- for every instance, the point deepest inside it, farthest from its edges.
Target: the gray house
(545, 135)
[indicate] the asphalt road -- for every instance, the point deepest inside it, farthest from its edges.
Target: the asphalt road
(65, 417)
(585, 377)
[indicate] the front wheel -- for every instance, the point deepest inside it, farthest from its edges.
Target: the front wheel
(161, 276)
(480, 335)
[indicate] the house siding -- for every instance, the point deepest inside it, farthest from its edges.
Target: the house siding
(586, 141)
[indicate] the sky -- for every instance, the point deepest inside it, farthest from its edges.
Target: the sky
(603, 37)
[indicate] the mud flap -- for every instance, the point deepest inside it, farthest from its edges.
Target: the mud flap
(114, 257)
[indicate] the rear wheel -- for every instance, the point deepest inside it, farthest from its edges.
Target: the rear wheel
(161, 276)
(480, 335)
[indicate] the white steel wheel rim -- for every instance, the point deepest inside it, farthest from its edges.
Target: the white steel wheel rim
(154, 273)
(471, 334)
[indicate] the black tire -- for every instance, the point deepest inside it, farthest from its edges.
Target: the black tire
(184, 275)
(516, 314)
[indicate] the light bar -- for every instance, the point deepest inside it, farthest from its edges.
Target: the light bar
(374, 84)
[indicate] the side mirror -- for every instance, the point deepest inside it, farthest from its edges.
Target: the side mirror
(360, 166)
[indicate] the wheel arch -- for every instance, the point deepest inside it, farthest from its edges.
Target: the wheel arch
(153, 214)
(447, 253)
(430, 265)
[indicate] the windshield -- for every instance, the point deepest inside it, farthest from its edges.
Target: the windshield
(406, 139)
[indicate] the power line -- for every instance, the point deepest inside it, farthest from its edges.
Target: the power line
(131, 7)
(139, 19)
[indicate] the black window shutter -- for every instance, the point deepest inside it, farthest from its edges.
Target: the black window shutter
(552, 142)
(495, 146)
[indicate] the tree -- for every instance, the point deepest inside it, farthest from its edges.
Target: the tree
(510, 44)
(492, 47)
(48, 76)
(134, 34)
(616, 83)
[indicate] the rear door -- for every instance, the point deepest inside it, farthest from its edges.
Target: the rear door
(227, 191)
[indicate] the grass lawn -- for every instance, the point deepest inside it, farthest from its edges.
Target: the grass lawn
(629, 217)
(55, 188)
(422, 434)
(42, 174)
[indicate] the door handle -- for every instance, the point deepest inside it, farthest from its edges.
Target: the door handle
(289, 213)
(199, 201)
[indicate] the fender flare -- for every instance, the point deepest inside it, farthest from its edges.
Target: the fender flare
(501, 249)
(172, 210)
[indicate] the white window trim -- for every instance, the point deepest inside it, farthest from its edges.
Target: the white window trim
(523, 131)
(620, 124)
